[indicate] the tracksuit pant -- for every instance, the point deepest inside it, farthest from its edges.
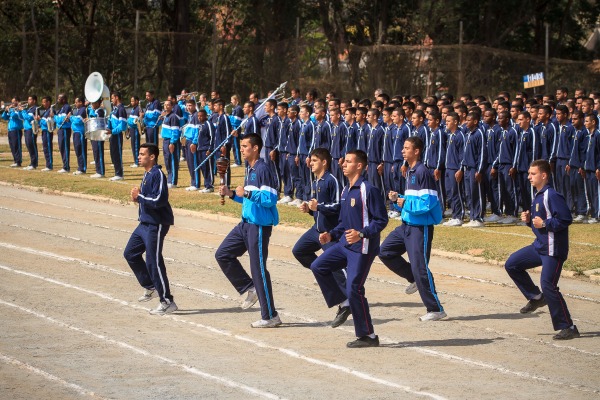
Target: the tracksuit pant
(303, 190)
(172, 160)
(517, 265)
(508, 191)
(116, 152)
(274, 165)
(64, 143)
(563, 181)
(80, 146)
(286, 176)
(47, 138)
(388, 178)
(254, 239)
(399, 179)
(294, 180)
(374, 178)
(454, 193)
(578, 191)
(206, 168)
(337, 172)
(98, 151)
(592, 188)
(152, 135)
(134, 135)
(358, 266)
(526, 192)
(31, 144)
(493, 192)
(476, 193)
(151, 273)
(192, 163)
(305, 252)
(14, 141)
(440, 186)
(416, 241)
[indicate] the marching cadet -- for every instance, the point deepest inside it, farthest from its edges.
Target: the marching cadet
(150, 117)
(338, 143)
(236, 117)
(419, 128)
(222, 134)
(79, 115)
(402, 132)
(421, 210)
(171, 145)
(455, 148)
(307, 131)
(63, 124)
(362, 218)
(549, 218)
(474, 165)
(15, 131)
(387, 156)
(29, 116)
(504, 167)
(548, 133)
(132, 127)
(362, 129)
(117, 125)
(493, 137)
(528, 150)
(435, 155)
(591, 169)
(204, 142)
(322, 135)
(280, 153)
(576, 164)
(270, 123)
(564, 145)
(95, 111)
(374, 150)
(291, 151)
(44, 118)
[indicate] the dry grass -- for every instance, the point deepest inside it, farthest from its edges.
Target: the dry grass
(494, 242)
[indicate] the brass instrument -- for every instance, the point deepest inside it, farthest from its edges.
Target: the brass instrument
(188, 96)
(10, 106)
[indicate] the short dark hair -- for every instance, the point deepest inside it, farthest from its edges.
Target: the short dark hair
(272, 102)
(254, 139)
(250, 104)
(360, 155)
(152, 149)
(322, 154)
(543, 166)
(416, 142)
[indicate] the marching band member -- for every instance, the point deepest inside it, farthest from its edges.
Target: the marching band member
(223, 129)
(171, 144)
(236, 117)
(95, 111)
(117, 125)
(79, 142)
(204, 142)
(63, 124)
(15, 131)
(28, 117)
(189, 132)
(132, 126)
(45, 118)
(150, 117)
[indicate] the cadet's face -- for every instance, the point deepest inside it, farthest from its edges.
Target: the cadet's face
(348, 116)
(291, 114)
(351, 166)
(190, 107)
(523, 122)
(360, 117)
(144, 158)
(536, 178)
(488, 118)
(534, 113)
(409, 153)
(589, 123)
(451, 124)
(433, 123)
(597, 104)
(585, 107)
(168, 106)
(303, 114)
(560, 116)
(334, 117)
(45, 103)
(202, 116)
(396, 118)
(149, 97)
(471, 122)
(387, 118)
(248, 151)
(416, 120)
(317, 166)
(514, 113)
(332, 105)
(576, 121)
(281, 111)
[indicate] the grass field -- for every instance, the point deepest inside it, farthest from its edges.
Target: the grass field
(494, 242)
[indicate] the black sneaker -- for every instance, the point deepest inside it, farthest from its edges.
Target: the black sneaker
(341, 316)
(364, 341)
(533, 305)
(567, 334)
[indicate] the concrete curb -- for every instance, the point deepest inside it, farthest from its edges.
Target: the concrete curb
(592, 275)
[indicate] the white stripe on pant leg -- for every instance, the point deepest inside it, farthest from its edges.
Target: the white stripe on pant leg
(162, 281)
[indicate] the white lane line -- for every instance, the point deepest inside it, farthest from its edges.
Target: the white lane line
(530, 236)
(293, 353)
(195, 371)
(219, 331)
(48, 376)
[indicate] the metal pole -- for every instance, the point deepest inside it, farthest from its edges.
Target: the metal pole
(547, 57)
(56, 55)
(135, 62)
(460, 48)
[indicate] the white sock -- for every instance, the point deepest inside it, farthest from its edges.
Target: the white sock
(539, 296)
(346, 303)
(372, 336)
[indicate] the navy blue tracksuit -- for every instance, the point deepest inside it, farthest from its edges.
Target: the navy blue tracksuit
(252, 234)
(327, 193)
(475, 162)
(361, 208)
(155, 216)
(455, 149)
(550, 250)
(420, 212)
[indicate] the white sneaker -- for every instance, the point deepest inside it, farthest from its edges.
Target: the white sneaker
(433, 316)
(29, 168)
(285, 200)
(492, 218)
(164, 308)
(78, 172)
(579, 218)
(412, 288)
(508, 220)
(235, 165)
(521, 223)
(474, 224)
(134, 166)
(116, 178)
(251, 299)
(96, 176)
(453, 222)
(171, 186)
(46, 170)
(267, 323)
(63, 171)
(92, 162)
(207, 190)
(181, 159)
(592, 221)
(191, 188)
(148, 295)
(295, 203)
(393, 214)
(14, 165)
(448, 213)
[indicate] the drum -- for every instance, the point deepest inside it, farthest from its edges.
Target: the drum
(96, 129)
